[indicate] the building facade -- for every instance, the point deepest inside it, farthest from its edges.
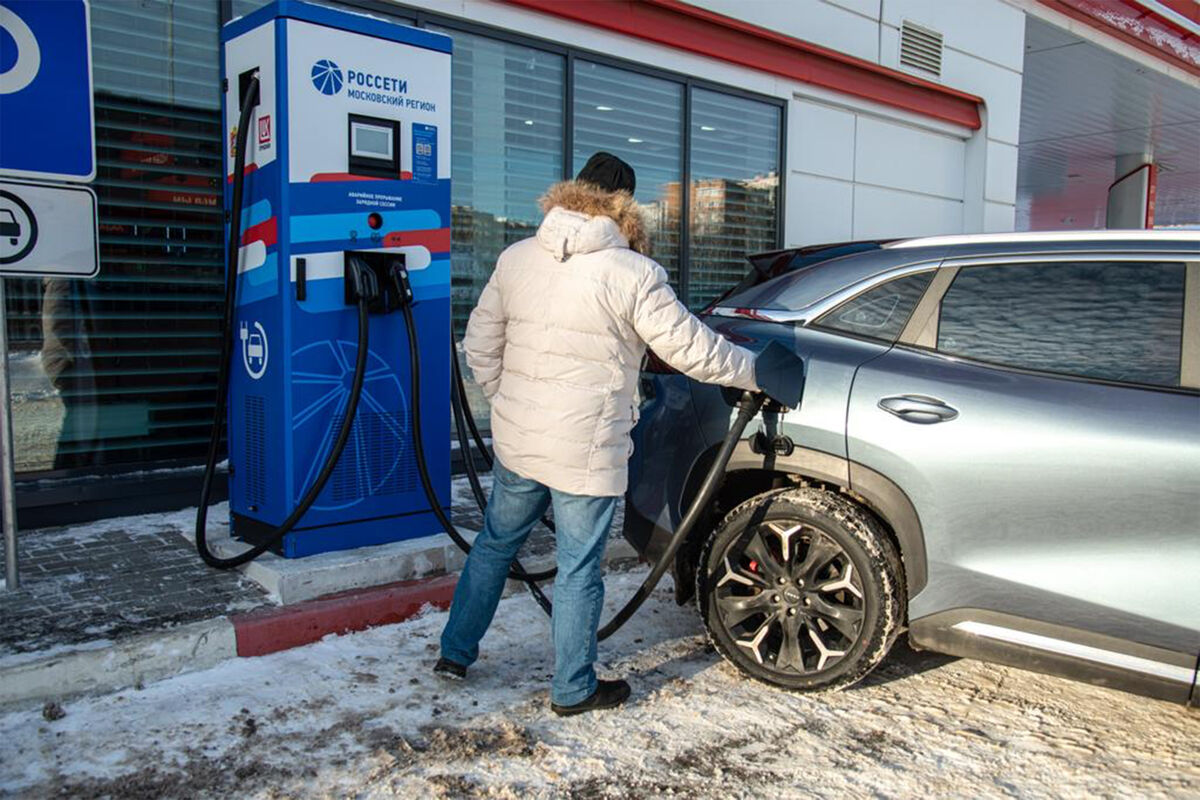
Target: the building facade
(752, 125)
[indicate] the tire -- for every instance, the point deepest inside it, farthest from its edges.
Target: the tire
(801, 589)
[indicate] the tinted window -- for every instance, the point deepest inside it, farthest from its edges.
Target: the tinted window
(881, 312)
(1116, 321)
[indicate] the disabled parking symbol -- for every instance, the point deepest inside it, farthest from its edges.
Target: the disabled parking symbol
(18, 228)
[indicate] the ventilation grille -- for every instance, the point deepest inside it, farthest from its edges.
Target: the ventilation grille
(376, 461)
(255, 462)
(921, 49)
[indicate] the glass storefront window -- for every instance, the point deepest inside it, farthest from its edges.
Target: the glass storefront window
(120, 370)
(734, 189)
(160, 50)
(507, 148)
(639, 119)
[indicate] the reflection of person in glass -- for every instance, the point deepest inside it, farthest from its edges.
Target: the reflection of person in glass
(556, 343)
(67, 361)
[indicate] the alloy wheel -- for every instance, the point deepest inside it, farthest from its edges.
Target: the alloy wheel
(788, 595)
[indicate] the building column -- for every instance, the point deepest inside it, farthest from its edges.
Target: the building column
(1131, 195)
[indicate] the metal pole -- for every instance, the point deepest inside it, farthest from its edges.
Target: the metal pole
(8, 494)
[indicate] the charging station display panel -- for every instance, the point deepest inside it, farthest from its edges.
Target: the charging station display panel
(374, 146)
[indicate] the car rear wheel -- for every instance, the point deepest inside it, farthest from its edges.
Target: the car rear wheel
(802, 589)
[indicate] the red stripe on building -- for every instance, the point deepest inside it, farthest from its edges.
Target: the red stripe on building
(1136, 25)
(267, 232)
(435, 240)
(678, 25)
(263, 632)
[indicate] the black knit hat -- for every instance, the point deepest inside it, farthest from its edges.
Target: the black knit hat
(609, 173)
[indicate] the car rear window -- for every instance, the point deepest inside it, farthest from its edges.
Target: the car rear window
(879, 313)
(1114, 321)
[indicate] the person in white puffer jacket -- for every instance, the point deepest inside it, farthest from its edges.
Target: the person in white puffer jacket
(556, 344)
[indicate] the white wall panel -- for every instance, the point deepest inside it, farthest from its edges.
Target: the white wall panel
(869, 8)
(1000, 88)
(811, 20)
(991, 30)
(907, 158)
(1001, 173)
(818, 210)
(880, 213)
(999, 217)
(820, 140)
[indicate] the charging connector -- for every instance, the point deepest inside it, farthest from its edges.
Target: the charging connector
(391, 291)
(245, 86)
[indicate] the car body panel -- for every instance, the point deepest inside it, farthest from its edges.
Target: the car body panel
(1118, 538)
(830, 362)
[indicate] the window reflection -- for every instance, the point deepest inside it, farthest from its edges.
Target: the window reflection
(734, 201)
(639, 119)
(507, 148)
(1115, 321)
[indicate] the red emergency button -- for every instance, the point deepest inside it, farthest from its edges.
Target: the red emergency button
(375, 221)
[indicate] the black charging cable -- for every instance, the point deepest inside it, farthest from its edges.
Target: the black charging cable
(462, 412)
(400, 282)
(366, 289)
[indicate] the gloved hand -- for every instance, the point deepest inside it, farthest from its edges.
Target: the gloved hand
(779, 374)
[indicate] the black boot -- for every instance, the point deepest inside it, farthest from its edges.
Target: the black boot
(445, 668)
(608, 694)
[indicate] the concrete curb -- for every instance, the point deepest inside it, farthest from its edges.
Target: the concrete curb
(132, 662)
(149, 657)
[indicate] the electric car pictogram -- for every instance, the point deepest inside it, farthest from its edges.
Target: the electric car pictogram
(327, 77)
(379, 450)
(996, 430)
(9, 226)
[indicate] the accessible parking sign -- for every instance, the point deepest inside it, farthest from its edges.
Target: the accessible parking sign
(46, 115)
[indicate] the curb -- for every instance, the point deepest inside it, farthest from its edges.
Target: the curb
(269, 631)
(96, 668)
(150, 657)
(135, 661)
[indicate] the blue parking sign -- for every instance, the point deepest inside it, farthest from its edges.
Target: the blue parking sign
(46, 117)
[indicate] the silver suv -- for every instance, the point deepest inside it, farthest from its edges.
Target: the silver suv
(998, 449)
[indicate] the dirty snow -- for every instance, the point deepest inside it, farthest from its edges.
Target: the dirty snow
(360, 716)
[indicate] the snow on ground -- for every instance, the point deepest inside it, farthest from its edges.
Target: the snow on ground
(361, 716)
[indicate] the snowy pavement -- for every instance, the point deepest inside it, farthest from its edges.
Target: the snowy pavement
(360, 716)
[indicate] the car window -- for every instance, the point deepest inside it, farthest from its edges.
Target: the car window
(1113, 321)
(881, 312)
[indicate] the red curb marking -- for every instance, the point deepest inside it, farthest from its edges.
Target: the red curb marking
(261, 632)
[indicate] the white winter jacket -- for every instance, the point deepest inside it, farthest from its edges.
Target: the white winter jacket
(557, 339)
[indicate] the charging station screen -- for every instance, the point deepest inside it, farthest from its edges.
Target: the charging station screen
(371, 141)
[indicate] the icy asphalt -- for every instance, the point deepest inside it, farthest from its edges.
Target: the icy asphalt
(360, 716)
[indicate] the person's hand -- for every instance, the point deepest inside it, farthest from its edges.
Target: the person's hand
(779, 373)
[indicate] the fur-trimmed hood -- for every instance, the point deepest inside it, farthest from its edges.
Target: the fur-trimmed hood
(582, 218)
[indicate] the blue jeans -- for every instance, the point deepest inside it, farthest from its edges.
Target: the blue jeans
(583, 522)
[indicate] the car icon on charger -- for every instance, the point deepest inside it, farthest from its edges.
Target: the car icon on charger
(9, 226)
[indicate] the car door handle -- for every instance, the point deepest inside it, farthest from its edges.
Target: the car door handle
(918, 408)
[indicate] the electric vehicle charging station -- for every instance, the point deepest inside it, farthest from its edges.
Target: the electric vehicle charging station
(347, 167)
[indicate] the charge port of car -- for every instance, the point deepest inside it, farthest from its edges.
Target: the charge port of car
(761, 444)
